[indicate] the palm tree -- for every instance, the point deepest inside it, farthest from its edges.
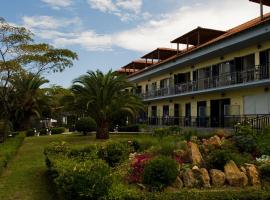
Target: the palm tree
(104, 95)
(28, 99)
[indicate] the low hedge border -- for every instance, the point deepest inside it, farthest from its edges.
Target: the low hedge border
(8, 149)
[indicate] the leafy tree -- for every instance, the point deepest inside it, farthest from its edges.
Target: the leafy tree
(27, 99)
(104, 95)
(20, 54)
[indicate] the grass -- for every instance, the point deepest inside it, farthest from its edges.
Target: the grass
(25, 176)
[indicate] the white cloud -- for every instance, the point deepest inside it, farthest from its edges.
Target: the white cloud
(124, 9)
(57, 4)
(103, 5)
(152, 33)
(159, 32)
(132, 5)
(89, 40)
(48, 22)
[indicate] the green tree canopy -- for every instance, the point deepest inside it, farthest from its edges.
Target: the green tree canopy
(104, 95)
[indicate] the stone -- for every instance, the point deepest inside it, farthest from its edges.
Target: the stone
(253, 175)
(214, 141)
(189, 179)
(234, 176)
(178, 183)
(201, 176)
(217, 177)
(195, 154)
(205, 178)
(243, 169)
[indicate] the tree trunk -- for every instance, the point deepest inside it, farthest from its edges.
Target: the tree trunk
(103, 130)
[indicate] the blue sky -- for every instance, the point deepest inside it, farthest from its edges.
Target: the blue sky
(108, 34)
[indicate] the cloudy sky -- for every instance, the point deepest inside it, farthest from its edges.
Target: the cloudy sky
(108, 34)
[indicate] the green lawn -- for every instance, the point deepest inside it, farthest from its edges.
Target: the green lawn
(25, 177)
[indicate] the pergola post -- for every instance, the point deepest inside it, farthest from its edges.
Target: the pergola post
(261, 9)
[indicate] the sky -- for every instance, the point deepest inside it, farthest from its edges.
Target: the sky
(108, 34)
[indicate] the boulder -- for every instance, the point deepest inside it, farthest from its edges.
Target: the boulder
(217, 177)
(178, 183)
(234, 176)
(253, 175)
(205, 178)
(195, 154)
(189, 179)
(214, 141)
(243, 169)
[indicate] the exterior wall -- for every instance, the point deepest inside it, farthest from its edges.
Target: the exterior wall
(236, 97)
(213, 61)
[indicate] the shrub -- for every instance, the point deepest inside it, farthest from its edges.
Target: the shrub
(58, 130)
(189, 133)
(217, 158)
(56, 148)
(160, 172)
(30, 133)
(82, 180)
(85, 125)
(83, 153)
(137, 167)
(130, 128)
(243, 130)
(167, 148)
(113, 153)
(161, 132)
(245, 143)
(123, 192)
(265, 171)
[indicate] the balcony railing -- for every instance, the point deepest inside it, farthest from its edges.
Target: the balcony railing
(226, 79)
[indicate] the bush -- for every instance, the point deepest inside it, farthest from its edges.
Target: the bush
(30, 133)
(217, 158)
(265, 171)
(161, 132)
(167, 148)
(82, 180)
(245, 143)
(130, 128)
(85, 125)
(122, 192)
(189, 133)
(56, 148)
(160, 172)
(113, 153)
(58, 130)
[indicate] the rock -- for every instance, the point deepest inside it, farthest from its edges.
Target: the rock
(195, 167)
(234, 176)
(189, 179)
(201, 176)
(243, 169)
(194, 153)
(205, 178)
(217, 177)
(215, 141)
(253, 175)
(178, 183)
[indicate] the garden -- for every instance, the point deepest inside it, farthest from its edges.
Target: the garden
(169, 164)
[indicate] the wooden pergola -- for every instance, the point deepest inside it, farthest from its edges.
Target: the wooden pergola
(262, 3)
(160, 54)
(136, 65)
(197, 37)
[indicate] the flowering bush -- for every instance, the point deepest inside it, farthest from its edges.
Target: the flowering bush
(137, 167)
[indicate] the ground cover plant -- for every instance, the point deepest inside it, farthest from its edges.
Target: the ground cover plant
(161, 166)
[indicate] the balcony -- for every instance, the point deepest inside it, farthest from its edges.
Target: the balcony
(258, 73)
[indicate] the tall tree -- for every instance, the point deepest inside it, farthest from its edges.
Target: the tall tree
(104, 95)
(19, 54)
(28, 99)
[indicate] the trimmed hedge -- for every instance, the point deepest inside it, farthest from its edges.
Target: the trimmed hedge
(58, 130)
(8, 149)
(131, 128)
(85, 125)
